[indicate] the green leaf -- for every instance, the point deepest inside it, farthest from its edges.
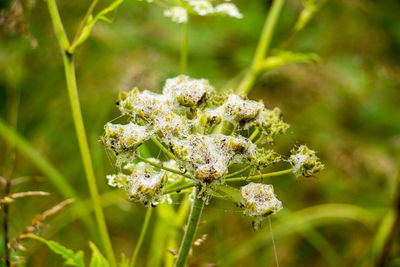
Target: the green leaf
(97, 259)
(71, 258)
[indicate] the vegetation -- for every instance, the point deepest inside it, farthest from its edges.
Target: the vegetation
(200, 152)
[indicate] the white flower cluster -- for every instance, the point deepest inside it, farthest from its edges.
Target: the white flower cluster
(143, 184)
(259, 200)
(205, 133)
(305, 162)
(179, 13)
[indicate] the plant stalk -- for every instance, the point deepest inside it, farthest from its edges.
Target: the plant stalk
(70, 76)
(184, 47)
(262, 47)
(141, 236)
(191, 227)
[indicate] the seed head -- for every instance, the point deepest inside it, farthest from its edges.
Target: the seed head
(143, 184)
(259, 200)
(305, 162)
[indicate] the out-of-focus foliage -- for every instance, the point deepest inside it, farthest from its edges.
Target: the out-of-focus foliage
(346, 107)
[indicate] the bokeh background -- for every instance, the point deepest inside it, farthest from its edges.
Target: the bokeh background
(347, 107)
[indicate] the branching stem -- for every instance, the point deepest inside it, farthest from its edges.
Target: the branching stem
(262, 47)
(70, 76)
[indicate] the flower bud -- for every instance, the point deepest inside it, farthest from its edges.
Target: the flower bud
(259, 200)
(305, 162)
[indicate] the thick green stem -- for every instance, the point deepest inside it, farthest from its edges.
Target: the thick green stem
(184, 47)
(70, 76)
(141, 236)
(191, 227)
(262, 47)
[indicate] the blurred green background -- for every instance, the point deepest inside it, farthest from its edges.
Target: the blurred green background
(347, 108)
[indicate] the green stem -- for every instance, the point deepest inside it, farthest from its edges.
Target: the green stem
(163, 148)
(233, 174)
(256, 177)
(70, 76)
(191, 227)
(184, 47)
(85, 19)
(231, 180)
(262, 47)
(178, 188)
(162, 167)
(141, 236)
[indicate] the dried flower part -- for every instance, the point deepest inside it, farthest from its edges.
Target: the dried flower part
(272, 123)
(241, 112)
(123, 139)
(188, 92)
(177, 14)
(259, 200)
(171, 125)
(229, 9)
(305, 162)
(200, 156)
(143, 184)
(144, 104)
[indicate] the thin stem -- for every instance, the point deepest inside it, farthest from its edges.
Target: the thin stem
(5, 223)
(85, 153)
(162, 147)
(70, 76)
(256, 177)
(162, 167)
(233, 174)
(85, 19)
(178, 188)
(145, 226)
(254, 134)
(231, 180)
(262, 47)
(191, 227)
(184, 47)
(390, 237)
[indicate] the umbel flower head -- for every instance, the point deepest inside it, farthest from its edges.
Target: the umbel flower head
(305, 162)
(179, 11)
(259, 200)
(206, 135)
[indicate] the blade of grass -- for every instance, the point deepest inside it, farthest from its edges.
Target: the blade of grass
(325, 214)
(55, 177)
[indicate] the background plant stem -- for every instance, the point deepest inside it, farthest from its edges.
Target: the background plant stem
(191, 227)
(184, 48)
(262, 47)
(70, 76)
(141, 236)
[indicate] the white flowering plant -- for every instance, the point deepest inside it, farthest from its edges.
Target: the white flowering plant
(205, 136)
(179, 11)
